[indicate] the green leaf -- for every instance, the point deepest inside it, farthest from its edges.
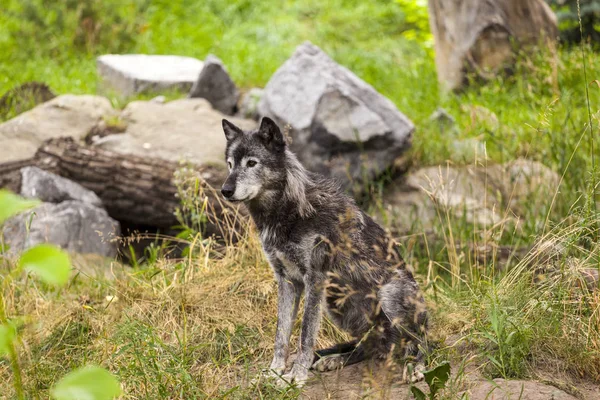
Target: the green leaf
(418, 393)
(87, 383)
(8, 334)
(509, 338)
(11, 204)
(494, 361)
(48, 262)
(436, 378)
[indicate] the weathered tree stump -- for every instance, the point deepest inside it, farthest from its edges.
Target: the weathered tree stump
(481, 36)
(133, 189)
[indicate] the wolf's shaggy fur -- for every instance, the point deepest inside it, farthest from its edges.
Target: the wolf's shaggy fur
(319, 242)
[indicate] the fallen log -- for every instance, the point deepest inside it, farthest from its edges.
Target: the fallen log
(10, 174)
(135, 190)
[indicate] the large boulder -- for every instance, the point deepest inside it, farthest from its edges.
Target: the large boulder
(215, 85)
(128, 74)
(51, 188)
(341, 126)
(481, 196)
(75, 226)
(66, 115)
(71, 217)
(186, 129)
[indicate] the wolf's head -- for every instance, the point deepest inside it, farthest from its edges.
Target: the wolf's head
(256, 161)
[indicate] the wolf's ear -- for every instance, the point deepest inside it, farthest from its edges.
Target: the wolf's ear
(231, 131)
(270, 133)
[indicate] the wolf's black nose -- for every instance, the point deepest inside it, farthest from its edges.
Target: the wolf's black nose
(227, 191)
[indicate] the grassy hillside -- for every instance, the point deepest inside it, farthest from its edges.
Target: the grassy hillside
(202, 327)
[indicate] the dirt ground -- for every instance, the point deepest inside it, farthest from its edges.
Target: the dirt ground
(360, 381)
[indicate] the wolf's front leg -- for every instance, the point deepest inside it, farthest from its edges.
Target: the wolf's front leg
(313, 295)
(288, 294)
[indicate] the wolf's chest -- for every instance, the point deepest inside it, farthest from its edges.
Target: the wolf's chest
(290, 265)
(286, 260)
(290, 256)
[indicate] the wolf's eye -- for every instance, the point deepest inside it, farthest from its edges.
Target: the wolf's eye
(229, 164)
(251, 163)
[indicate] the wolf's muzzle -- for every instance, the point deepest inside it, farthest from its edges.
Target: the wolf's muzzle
(227, 191)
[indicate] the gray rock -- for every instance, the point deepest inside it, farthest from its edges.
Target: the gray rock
(468, 151)
(75, 226)
(215, 85)
(482, 119)
(136, 73)
(482, 196)
(442, 117)
(501, 389)
(51, 188)
(340, 125)
(185, 129)
(66, 115)
(249, 103)
(159, 99)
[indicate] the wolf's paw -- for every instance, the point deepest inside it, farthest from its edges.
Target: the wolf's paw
(413, 373)
(329, 363)
(273, 372)
(268, 374)
(296, 377)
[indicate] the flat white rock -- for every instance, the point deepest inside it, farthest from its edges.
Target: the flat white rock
(134, 73)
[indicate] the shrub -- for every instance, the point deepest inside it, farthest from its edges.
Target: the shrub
(568, 18)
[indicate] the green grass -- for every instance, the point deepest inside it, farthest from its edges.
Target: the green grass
(203, 327)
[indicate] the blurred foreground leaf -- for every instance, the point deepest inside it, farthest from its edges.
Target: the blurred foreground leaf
(11, 204)
(49, 263)
(87, 383)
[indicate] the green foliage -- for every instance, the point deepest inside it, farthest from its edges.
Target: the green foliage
(436, 379)
(510, 343)
(85, 26)
(568, 18)
(11, 204)
(417, 21)
(87, 383)
(8, 335)
(48, 262)
(56, 42)
(147, 360)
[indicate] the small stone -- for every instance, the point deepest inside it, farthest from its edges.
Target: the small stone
(482, 118)
(159, 99)
(468, 151)
(442, 117)
(111, 299)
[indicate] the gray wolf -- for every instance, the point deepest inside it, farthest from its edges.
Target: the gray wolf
(319, 242)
